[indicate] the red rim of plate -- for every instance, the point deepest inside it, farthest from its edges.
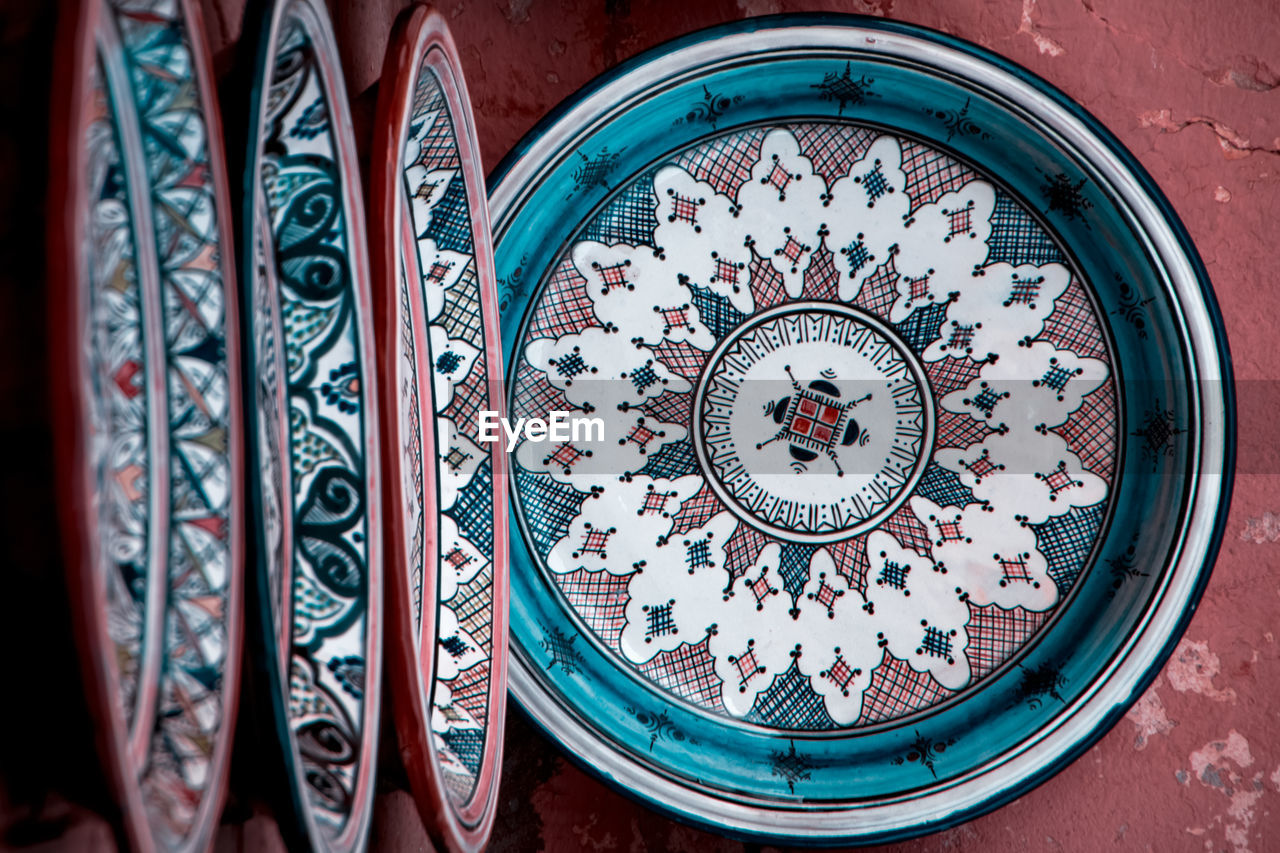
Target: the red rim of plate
(420, 36)
(75, 55)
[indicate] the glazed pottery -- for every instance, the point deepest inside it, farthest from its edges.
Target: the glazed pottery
(445, 487)
(146, 388)
(315, 473)
(906, 428)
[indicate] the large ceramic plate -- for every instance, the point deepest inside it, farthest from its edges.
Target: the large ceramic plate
(145, 353)
(446, 488)
(312, 408)
(915, 428)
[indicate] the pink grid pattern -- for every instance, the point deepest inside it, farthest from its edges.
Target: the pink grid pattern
(724, 162)
(1073, 325)
(833, 148)
(996, 633)
(565, 308)
(473, 605)
(931, 174)
(670, 407)
(439, 147)
(469, 397)
(689, 672)
(960, 430)
(767, 286)
(696, 511)
(896, 689)
(907, 529)
(600, 599)
(471, 691)
(1091, 432)
(851, 561)
(879, 290)
(821, 279)
(947, 374)
(742, 549)
(535, 396)
(681, 358)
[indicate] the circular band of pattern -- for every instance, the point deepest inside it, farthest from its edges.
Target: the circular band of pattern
(861, 412)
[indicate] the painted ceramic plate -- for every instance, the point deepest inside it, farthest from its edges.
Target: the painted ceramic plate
(145, 337)
(446, 488)
(897, 428)
(312, 411)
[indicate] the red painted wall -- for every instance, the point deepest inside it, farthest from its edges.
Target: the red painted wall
(1192, 88)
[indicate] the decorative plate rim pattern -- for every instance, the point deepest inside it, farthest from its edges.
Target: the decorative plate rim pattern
(1089, 714)
(333, 119)
(80, 39)
(421, 39)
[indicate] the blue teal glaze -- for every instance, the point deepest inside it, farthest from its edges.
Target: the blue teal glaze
(995, 716)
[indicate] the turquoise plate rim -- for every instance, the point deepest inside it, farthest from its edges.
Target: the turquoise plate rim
(757, 824)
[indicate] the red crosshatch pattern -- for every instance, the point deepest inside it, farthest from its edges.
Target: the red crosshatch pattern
(684, 208)
(896, 690)
(961, 221)
(840, 674)
(955, 430)
(767, 285)
(681, 358)
(696, 511)
(931, 174)
(670, 407)
(1073, 326)
(1057, 480)
(471, 690)
(566, 308)
(473, 605)
(833, 148)
(439, 146)
(947, 373)
(918, 287)
(743, 549)
(677, 316)
(908, 530)
(996, 633)
(879, 290)
(469, 397)
(600, 599)
(537, 397)
(688, 671)
(1091, 432)
(821, 278)
(614, 275)
(851, 561)
(779, 177)
(725, 162)
(727, 273)
(793, 250)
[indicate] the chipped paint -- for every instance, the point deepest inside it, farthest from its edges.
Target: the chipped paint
(1222, 195)
(1192, 670)
(1149, 716)
(1027, 26)
(1263, 528)
(1211, 765)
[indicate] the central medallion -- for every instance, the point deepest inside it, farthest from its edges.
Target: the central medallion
(813, 421)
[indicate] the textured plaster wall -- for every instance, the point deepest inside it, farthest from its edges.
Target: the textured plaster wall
(1193, 89)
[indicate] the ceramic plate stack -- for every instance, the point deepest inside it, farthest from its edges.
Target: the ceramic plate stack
(312, 401)
(446, 487)
(906, 425)
(145, 350)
